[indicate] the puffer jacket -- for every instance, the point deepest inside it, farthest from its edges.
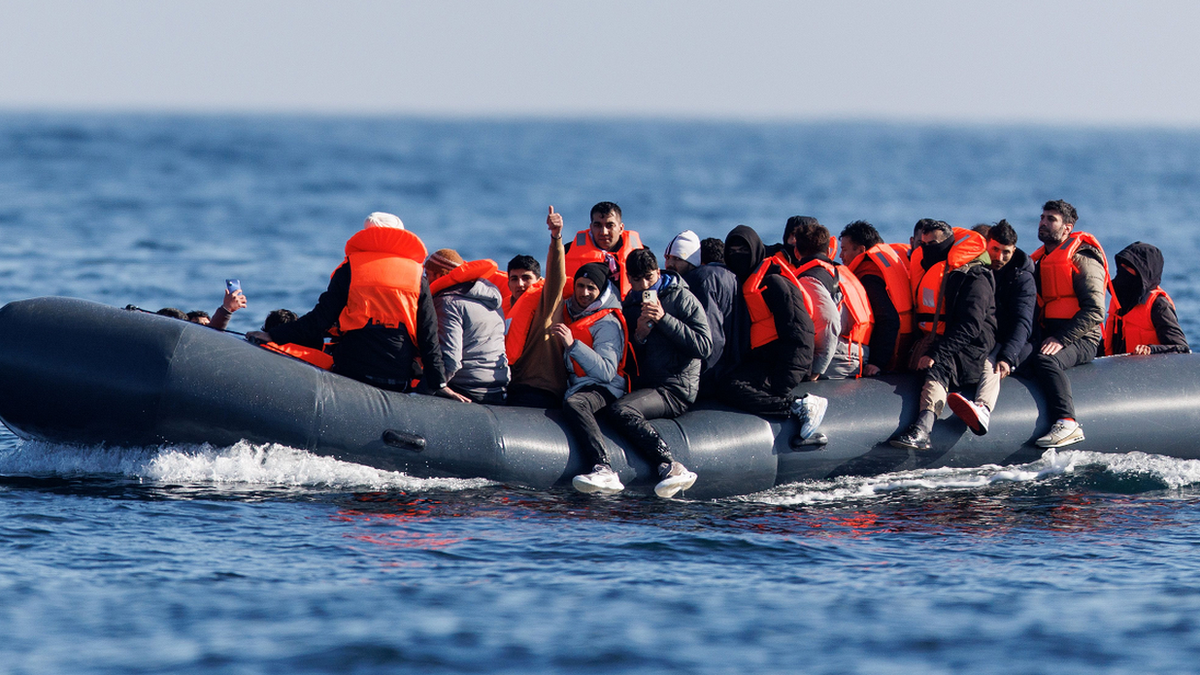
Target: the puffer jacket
(672, 353)
(1016, 302)
(471, 335)
(601, 361)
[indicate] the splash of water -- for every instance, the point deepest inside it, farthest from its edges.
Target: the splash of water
(242, 464)
(1167, 472)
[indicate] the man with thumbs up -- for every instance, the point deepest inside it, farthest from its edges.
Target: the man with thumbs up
(539, 377)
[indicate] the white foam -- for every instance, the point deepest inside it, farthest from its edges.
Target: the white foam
(243, 464)
(1174, 473)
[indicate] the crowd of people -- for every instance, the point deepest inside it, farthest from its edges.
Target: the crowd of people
(608, 333)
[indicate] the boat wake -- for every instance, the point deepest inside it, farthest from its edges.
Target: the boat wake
(1130, 473)
(240, 465)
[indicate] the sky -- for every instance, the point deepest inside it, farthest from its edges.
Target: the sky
(1011, 61)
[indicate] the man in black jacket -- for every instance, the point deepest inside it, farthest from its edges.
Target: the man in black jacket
(669, 335)
(763, 375)
(1016, 300)
(957, 356)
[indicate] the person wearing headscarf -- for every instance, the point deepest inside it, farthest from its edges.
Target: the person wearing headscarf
(1141, 318)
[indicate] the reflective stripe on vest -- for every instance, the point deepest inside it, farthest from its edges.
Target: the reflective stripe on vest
(519, 320)
(927, 284)
(583, 251)
(1135, 327)
(762, 320)
(893, 269)
(385, 280)
(1055, 275)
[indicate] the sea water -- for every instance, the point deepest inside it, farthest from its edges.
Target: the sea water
(266, 559)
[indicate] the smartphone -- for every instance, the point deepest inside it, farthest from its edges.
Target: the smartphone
(649, 296)
(232, 285)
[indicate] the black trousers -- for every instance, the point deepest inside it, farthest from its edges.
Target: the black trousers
(1050, 372)
(631, 413)
(762, 386)
(531, 397)
(579, 409)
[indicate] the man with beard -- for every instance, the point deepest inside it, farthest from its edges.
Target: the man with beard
(955, 293)
(1016, 299)
(1071, 271)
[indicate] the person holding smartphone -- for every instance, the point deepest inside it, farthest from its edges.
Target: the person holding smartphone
(670, 338)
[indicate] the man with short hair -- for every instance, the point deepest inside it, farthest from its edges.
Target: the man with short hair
(1071, 271)
(605, 241)
(813, 268)
(1016, 299)
(669, 339)
(883, 273)
(956, 282)
(523, 272)
(715, 287)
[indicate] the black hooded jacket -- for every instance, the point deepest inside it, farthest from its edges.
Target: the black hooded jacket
(783, 298)
(1132, 290)
(1016, 302)
(969, 306)
(671, 355)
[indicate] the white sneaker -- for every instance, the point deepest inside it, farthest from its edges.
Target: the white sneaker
(602, 479)
(675, 477)
(809, 410)
(1064, 432)
(975, 416)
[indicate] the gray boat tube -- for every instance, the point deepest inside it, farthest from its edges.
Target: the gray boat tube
(78, 372)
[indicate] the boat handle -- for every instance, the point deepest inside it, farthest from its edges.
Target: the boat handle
(401, 439)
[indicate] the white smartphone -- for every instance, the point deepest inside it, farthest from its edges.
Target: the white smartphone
(649, 297)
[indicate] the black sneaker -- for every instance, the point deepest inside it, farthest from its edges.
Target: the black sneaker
(913, 438)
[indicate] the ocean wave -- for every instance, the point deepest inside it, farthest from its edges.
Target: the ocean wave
(1107, 472)
(242, 465)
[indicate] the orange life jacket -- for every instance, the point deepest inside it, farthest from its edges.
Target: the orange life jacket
(892, 267)
(385, 279)
(762, 320)
(927, 284)
(499, 279)
(518, 320)
(902, 250)
(1135, 326)
(583, 251)
(468, 271)
(581, 330)
(1056, 289)
(854, 298)
(310, 355)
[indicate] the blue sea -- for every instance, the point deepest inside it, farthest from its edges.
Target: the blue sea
(266, 559)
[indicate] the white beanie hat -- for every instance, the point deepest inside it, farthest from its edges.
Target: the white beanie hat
(685, 245)
(381, 219)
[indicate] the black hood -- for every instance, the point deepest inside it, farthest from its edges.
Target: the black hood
(744, 266)
(1148, 261)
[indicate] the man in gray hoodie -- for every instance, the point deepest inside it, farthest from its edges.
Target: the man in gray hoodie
(592, 335)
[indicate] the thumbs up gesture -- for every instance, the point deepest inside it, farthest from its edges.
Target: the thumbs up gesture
(554, 222)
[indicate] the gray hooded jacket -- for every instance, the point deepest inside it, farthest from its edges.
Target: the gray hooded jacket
(471, 333)
(600, 361)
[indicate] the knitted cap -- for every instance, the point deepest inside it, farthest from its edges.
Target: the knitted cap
(597, 273)
(442, 261)
(685, 245)
(381, 219)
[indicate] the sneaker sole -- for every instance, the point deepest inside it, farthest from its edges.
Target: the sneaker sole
(667, 488)
(895, 443)
(964, 411)
(591, 488)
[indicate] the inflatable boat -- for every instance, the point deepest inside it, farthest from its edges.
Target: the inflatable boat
(78, 372)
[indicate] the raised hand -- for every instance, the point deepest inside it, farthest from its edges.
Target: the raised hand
(554, 222)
